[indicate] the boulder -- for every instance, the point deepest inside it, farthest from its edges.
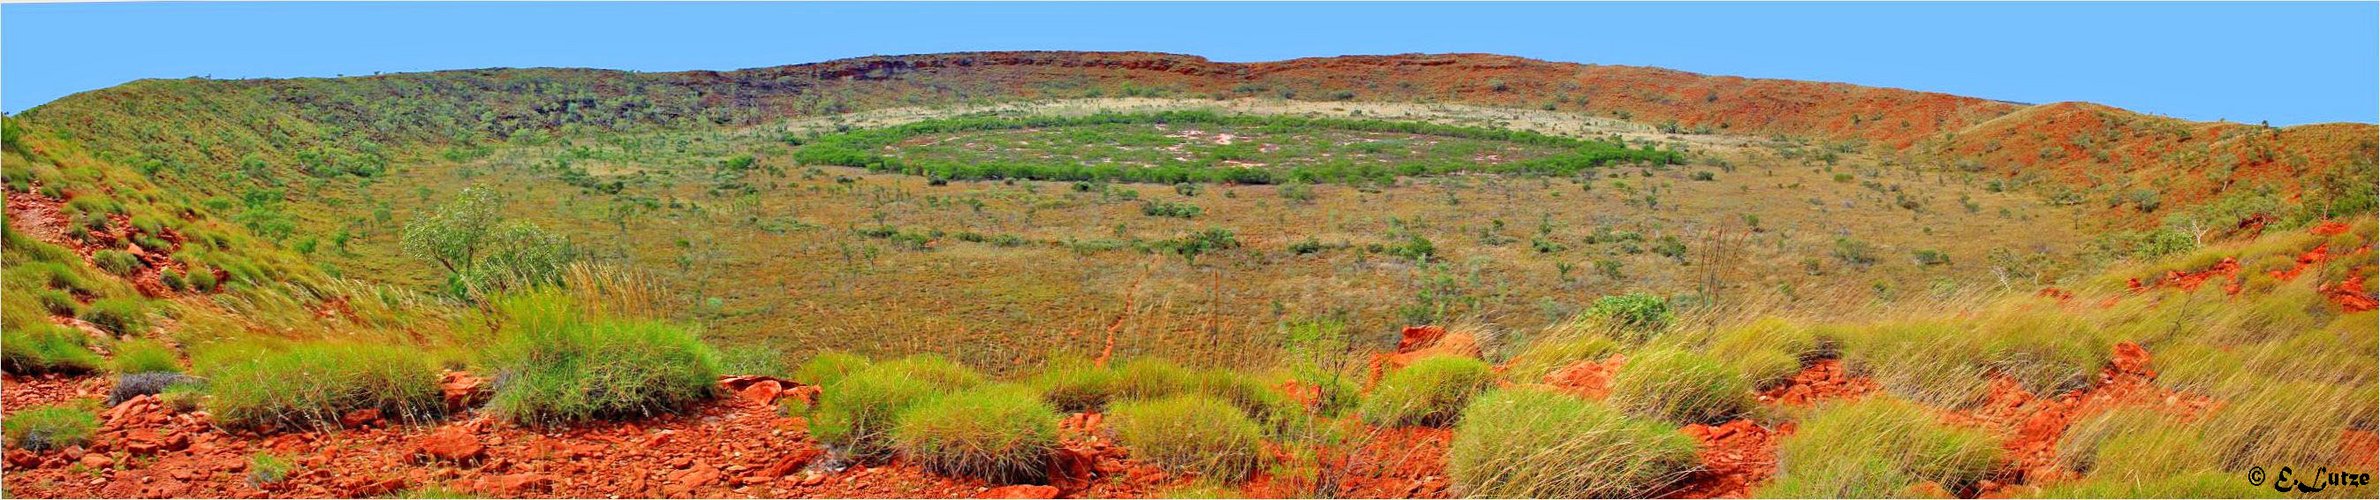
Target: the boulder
(452, 444)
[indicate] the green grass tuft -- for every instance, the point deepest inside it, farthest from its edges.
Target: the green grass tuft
(559, 365)
(1431, 392)
(267, 468)
(120, 316)
(1075, 384)
(313, 385)
(44, 428)
(998, 433)
(1878, 447)
(1680, 386)
(1536, 443)
(856, 413)
(1150, 378)
(145, 356)
(827, 367)
(45, 348)
(1190, 433)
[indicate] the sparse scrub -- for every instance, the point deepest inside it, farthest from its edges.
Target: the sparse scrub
(999, 433)
(1536, 443)
(1430, 392)
(1190, 433)
(1640, 314)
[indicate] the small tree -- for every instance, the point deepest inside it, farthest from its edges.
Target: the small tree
(481, 252)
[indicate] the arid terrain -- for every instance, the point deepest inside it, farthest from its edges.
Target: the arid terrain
(1082, 274)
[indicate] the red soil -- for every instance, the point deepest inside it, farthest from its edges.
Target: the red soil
(1822, 380)
(1395, 462)
(2033, 425)
(1416, 342)
(1735, 456)
(1589, 379)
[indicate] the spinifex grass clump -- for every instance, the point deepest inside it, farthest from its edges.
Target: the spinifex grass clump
(828, 367)
(999, 433)
(1192, 433)
(1878, 447)
(45, 348)
(145, 356)
(313, 385)
(1536, 443)
(1075, 384)
(51, 427)
(856, 414)
(1432, 391)
(1148, 378)
(1680, 386)
(556, 363)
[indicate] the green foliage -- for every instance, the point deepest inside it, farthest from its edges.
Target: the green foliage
(44, 428)
(1854, 252)
(45, 348)
(1149, 378)
(1642, 313)
(1680, 386)
(120, 315)
(827, 367)
(1431, 391)
(1562, 347)
(1190, 433)
(858, 411)
(312, 385)
(754, 360)
(1878, 447)
(564, 364)
(1537, 443)
(481, 253)
(1175, 209)
(999, 433)
(1767, 351)
(145, 356)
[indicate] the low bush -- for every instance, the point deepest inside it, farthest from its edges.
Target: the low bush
(120, 316)
(1537, 443)
(1431, 391)
(556, 363)
(1639, 313)
(145, 356)
(45, 348)
(51, 427)
(827, 367)
(1680, 386)
(1878, 447)
(1075, 384)
(133, 385)
(313, 385)
(1191, 433)
(1000, 433)
(857, 412)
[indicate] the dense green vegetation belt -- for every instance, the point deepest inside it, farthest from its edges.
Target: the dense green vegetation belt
(859, 148)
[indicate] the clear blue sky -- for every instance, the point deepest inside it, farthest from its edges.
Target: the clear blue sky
(2287, 63)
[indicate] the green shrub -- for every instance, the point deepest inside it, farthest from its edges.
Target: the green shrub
(1536, 443)
(1431, 391)
(51, 427)
(120, 316)
(45, 348)
(827, 367)
(1000, 433)
(266, 467)
(313, 385)
(856, 413)
(1680, 386)
(145, 356)
(1190, 433)
(1075, 384)
(1149, 378)
(561, 365)
(1878, 447)
(116, 262)
(1639, 312)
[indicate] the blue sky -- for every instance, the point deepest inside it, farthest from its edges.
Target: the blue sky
(2287, 63)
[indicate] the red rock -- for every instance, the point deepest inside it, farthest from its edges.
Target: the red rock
(791, 462)
(1072, 469)
(96, 461)
(515, 484)
(23, 459)
(763, 393)
(368, 417)
(452, 444)
(461, 390)
(686, 482)
(808, 394)
(1020, 491)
